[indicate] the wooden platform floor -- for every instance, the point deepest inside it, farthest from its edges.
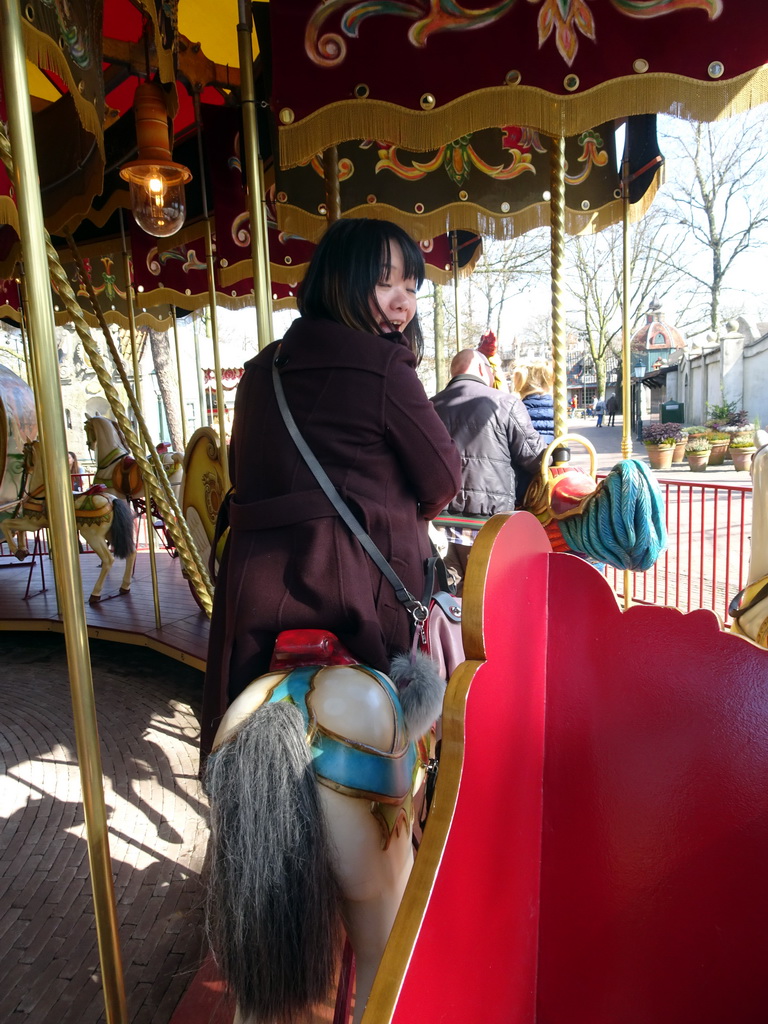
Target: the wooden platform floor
(148, 720)
(128, 618)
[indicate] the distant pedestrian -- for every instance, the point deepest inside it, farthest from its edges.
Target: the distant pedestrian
(600, 410)
(574, 406)
(533, 383)
(612, 407)
(75, 473)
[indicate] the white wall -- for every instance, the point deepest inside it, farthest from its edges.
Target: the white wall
(735, 370)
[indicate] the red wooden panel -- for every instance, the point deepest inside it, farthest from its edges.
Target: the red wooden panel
(475, 959)
(654, 900)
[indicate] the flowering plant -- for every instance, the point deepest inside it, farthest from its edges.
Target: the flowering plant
(697, 445)
(743, 440)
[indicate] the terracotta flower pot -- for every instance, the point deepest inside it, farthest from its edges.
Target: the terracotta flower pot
(742, 459)
(679, 453)
(660, 456)
(697, 461)
(717, 454)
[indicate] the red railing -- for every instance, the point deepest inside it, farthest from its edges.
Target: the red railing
(707, 558)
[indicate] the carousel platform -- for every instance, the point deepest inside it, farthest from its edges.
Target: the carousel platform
(148, 687)
(28, 602)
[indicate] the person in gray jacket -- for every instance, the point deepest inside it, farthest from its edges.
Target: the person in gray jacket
(495, 436)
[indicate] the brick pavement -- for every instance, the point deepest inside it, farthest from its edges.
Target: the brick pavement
(147, 708)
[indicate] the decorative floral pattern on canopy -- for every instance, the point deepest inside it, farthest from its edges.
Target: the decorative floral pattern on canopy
(494, 181)
(559, 66)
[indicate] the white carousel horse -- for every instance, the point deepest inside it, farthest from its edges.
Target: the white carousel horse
(101, 520)
(749, 608)
(311, 785)
(116, 467)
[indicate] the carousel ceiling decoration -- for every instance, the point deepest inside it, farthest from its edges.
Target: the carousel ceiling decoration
(493, 181)
(345, 70)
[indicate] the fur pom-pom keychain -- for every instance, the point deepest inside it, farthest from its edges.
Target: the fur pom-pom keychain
(421, 689)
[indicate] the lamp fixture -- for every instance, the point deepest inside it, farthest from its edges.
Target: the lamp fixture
(156, 183)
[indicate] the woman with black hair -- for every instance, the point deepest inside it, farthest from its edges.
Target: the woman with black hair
(348, 368)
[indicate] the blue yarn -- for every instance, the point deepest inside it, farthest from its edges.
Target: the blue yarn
(623, 522)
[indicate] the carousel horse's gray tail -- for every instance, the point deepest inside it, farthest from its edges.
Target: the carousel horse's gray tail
(121, 534)
(272, 903)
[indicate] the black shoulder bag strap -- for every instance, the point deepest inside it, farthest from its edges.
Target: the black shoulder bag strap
(404, 596)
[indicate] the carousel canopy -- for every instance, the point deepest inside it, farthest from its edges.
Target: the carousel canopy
(420, 73)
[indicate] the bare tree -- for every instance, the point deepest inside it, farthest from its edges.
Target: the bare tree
(716, 195)
(594, 278)
(505, 270)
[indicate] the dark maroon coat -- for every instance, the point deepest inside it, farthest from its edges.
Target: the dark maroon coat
(290, 562)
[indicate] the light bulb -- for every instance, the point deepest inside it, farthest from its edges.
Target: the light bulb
(158, 202)
(156, 183)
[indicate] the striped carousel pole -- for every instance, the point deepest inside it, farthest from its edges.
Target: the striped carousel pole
(221, 412)
(148, 512)
(254, 169)
(557, 214)
(61, 510)
(626, 380)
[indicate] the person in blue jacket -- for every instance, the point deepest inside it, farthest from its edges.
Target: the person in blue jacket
(533, 383)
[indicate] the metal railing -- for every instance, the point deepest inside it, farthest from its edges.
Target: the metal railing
(706, 562)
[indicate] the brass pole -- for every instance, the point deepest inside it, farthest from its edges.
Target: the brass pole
(178, 373)
(626, 273)
(220, 407)
(254, 171)
(211, 274)
(626, 380)
(148, 516)
(60, 507)
(455, 261)
(199, 370)
(32, 379)
(332, 189)
(439, 322)
(21, 285)
(557, 214)
(152, 468)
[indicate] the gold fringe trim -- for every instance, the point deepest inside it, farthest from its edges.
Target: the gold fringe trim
(161, 296)
(235, 272)
(290, 274)
(9, 313)
(289, 302)
(420, 131)
(44, 53)
(468, 217)
(9, 215)
(153, 319)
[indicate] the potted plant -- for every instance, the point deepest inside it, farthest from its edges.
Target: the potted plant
(697, 452)
(659, 440)
(680, 442)
(696, 431)
(678, 434)
(719, 440)
(741, 451)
